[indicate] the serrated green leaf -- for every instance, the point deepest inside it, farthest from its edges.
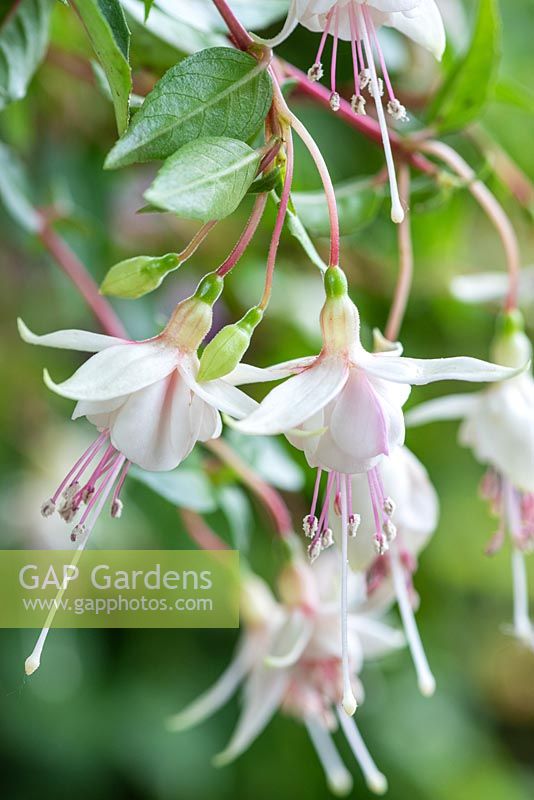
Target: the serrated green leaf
(183, 487)
(14, 192)
(23, 40)
(108, 31)
(218, 90)
(471, 80)
(138, 276)
(206, 179)
(358, 203)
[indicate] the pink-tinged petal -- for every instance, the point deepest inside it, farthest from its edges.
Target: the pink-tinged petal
(308, 435)
(118, 371)
(424, 27)
(217, 393)
(389, 6)
(359, 424)
(263, 695)
(153, 427)
(84, 341)
(99, 413)
(289, 405)
(453, 406)
(206, 420)
(420, 371)
(246, 373)
(214, 698)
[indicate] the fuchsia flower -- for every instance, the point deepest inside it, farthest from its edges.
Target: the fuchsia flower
(144, 400)
(498, 425)
(357, 21)
(290, 660)
(344, 409)
(390, 576)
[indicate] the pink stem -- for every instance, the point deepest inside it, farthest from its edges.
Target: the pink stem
(334, 52)
(279, 224)
(76, 271)
(493, 209)
(240, 35)
(404, 281)
(200, 532)
(271, 499)
(324, 37)
(245, 238)
(196, 241)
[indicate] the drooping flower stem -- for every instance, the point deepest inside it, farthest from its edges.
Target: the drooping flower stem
(246, 237)
(280, 217)
(425, 679)
(404, 280)
(239, 34)
(200, 532)
(80, 277)
(269, 497)
(196, 241)
(492, 208)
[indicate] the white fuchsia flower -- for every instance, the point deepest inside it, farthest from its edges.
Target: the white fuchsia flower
(343, 408)
(498, 426)
(144, 400)
(291, 661)
(390, 576)
(357, 21)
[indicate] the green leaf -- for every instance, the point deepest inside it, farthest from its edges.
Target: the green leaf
(270, 460)
(206, 179)
(514, 94)
(106, 26)
(23, 41)
(266, 182)
(14, 192)
(218, 90)
(358, 203)
(184, 487)
(148, 7)
(138, 276)
(470, 83)
(235, 506)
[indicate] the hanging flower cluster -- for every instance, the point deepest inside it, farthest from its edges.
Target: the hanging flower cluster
(373, 507)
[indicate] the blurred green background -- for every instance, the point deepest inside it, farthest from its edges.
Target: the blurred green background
(90, 722)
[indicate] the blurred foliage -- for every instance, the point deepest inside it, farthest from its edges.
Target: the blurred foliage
(90, 722)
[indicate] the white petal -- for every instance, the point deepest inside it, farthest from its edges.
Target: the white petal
(359, 421)
(246, 373)
(420, 371)
(453, 406)
(292, 20)
(206, 420)
(117, 371)
(485, 286)
(214, 698)
(377, 638)
(84, 341)
(388, 6)
(264, 692)
(425, 27)
(290, 641)
(299, 398)
(153, 427)
(217, 393)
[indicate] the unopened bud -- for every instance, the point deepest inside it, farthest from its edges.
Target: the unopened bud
(137, 276)
(228, 347)
(192, 318)
(340, 321)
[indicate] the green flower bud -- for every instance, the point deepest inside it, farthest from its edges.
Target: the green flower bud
(192, 318)
(137, 276)
(335, 283)
(511, 346)
(209, 289)
(227, 348)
